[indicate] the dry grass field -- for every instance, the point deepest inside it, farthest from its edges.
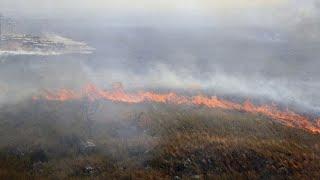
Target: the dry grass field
(66, 140)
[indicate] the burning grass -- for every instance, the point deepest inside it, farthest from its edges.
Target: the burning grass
(47, 139)
(93, 93)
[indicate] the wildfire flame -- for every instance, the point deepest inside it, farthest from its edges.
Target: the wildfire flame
(92, 92)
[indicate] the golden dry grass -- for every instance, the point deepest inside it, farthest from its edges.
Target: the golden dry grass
(151, 141)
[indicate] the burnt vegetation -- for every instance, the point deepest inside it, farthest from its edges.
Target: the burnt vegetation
(73, 139)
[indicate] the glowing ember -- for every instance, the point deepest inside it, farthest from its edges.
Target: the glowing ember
(287, 117)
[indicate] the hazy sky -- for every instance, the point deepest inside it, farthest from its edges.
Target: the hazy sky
(205, 7)
(226, 12)
(144, 4)
(277, 37)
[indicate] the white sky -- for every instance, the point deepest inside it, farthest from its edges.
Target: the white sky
(204, 6)
(271, 13)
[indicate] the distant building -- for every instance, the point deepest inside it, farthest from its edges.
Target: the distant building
(13, 42)
(7, 26)
(0, 29)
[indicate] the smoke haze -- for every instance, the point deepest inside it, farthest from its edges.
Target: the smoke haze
(261, 49)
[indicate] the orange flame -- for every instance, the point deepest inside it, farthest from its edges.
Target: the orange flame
(287, 117)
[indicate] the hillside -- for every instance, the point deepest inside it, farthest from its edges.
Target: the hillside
(76, 139)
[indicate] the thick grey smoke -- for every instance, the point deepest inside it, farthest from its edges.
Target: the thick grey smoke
(256, 52)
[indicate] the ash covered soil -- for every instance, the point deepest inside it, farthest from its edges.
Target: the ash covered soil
(106, 140)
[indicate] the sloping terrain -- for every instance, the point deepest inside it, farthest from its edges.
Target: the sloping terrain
(77, 139)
